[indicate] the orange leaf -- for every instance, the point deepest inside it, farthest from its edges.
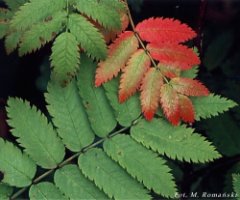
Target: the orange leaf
(133, 74)
(186, 109)
(118, 54)
(157, 30)
(150, 90)
(170, 104)
(178, 55)
(189, 87)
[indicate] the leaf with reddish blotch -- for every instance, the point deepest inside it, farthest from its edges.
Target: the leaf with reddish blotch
(189, 87)
(118, 54)
(169, 70)
(157, 30)
(133, 74)
(186, 109)
(150, 90)
(178, 55)
(170, 104)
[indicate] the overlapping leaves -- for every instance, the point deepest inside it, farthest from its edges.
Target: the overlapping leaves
(160, 84)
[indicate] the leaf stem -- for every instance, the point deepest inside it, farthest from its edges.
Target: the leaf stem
(141, 42)
(68, 160)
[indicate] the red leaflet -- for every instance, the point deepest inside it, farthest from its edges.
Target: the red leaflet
(174, 54)
(118, 54)
(170, 104)
(186, 109)
(170, 70)
(133, 74)
(158, 30)
(189, 87)
(150, 88)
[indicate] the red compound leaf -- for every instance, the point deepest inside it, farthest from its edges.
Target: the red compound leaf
(133, 74)
(189, 87)
(170, 104)
(174, 54)
(186, 109)
(150, 90)
(158, 30)
(118, 54)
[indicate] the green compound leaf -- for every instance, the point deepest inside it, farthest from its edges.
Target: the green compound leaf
(96, 105)
(34, 133)
(176, 142)
(74, 185)
(17, 168)
(5, 191)
(89, 38)
(65, 57)
(46, 191)
(212, 105)
(109, 176)
(68, 114)
(236, 184)
(35, 11)
(126, 112)
(41, 33)
(141, 163)
(101, 11)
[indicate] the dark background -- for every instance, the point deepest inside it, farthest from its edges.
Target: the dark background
(217, 25)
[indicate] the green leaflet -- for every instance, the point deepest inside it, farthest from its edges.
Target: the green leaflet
(5, 191)
(89, 38)
(74, 185)
(99, 112)
(69, 115)
(12, 40)
(191, 73)
(41, 33)
(126, 112)
(176, 142)
(18, 169)
(212, 105)
(236, 184)
(3, 29)
(35, 11)
(65, 57)
(34, 133)
(101, 11)
(46, 191)
(109, 176)
(14, 5)
(141, 163)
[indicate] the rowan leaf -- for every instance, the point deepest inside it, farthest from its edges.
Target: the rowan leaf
(12, 40)
(133, 74)
(65, 57)
(236, 184)
(181, 56)
(212, 105)
(118, 54)
(186, 109)
(103, 12)
(170, 103)
(169, 70)
(157, 30)
(150, 90)
(189, 87)
(89, 38)
(177, 142)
